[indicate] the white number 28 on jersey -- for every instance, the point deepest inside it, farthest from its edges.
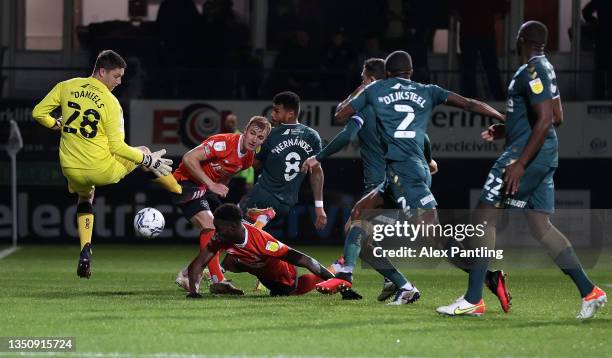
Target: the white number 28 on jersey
(401, 131)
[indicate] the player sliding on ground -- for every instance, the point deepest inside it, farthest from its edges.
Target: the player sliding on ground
(92, 148)
(402, 108)
(253, 250)
(363, 126)
(522, 177)
(208, 168)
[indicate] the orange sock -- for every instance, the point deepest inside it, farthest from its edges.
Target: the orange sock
(259, 224)
(306, 283)
(214, 267)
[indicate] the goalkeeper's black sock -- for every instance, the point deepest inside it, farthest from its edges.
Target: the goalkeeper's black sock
(85, 220)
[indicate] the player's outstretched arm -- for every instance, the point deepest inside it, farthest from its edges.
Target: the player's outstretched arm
(494, 132)
(316, 184)
(514, 172)
(341, 140)
(350, 97)
(195, 269)
(193, 160)
(42, 111)
(297, 258)
(113, 127)
(473, 105)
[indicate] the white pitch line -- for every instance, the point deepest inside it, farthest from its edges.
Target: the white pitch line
(144, 355)
(6, 252)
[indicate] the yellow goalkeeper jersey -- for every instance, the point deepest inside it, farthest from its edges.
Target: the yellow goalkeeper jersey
(92, 124)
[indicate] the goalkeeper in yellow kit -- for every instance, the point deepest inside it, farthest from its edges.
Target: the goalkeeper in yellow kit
(92, 148)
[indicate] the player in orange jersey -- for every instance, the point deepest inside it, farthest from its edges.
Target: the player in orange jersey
(253, 250)
(203, 174)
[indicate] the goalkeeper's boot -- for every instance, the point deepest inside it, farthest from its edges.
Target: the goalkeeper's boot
(225, 287)
(336, 265)
(496, 282)
(389, 288)
(253, 213)
(84, 267)
(405, 297)
(341, 282)
(592, 302)
(461, 307)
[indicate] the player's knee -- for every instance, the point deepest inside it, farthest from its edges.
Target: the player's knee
(539, 224)
(84, 207)
(203, 221)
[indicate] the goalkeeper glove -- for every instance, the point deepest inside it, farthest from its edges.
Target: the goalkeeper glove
(157, 164)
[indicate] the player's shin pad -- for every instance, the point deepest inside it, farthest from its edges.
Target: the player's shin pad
(85, 220)
(554, 241)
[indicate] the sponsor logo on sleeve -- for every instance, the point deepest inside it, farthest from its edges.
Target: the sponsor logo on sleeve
(219, 146)
(272, 246)
(536, 86)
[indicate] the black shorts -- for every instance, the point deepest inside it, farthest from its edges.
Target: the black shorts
(194, 199)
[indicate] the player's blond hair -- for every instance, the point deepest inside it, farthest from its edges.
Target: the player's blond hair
(259, 122)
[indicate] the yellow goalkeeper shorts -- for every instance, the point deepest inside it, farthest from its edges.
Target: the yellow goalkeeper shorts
(84, 181)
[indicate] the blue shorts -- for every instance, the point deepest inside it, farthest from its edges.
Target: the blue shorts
(536, 190)
(407, 185)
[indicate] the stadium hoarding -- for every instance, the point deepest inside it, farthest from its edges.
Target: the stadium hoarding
(179, 125)
(46, 216)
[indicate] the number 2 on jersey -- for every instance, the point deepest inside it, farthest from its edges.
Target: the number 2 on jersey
(401, 131)
(86, 122)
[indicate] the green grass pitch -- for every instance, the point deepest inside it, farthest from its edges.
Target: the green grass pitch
(131, 307)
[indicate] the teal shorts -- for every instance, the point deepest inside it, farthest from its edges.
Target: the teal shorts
(407, 186)
(536, 190)
(260, 198)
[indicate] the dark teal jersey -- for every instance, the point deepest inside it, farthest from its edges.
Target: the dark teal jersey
(282, 155)
(372, 154)
(402, 108)
(533, 83)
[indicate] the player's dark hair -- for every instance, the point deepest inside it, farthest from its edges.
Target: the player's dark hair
(534, 32)
(375, 67)
(289, 100)
(398, 63)
(228, 212)
(109, 60)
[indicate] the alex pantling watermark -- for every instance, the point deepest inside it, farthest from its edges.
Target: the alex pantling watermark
(465, 238)
(431, 234)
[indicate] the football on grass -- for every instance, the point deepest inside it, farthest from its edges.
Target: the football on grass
(149, 223)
